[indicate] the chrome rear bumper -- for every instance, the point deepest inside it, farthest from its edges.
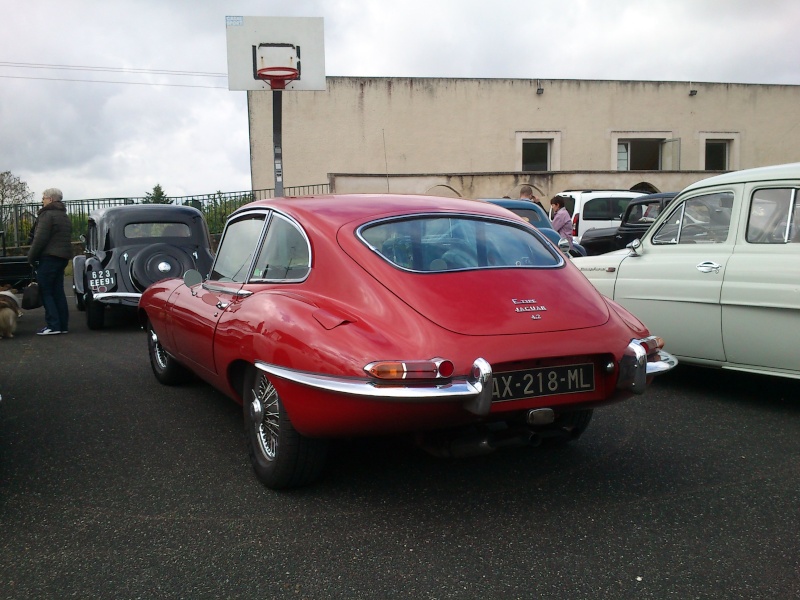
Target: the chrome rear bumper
(636, 365)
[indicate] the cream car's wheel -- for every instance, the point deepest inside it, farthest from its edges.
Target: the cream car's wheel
(281, 457)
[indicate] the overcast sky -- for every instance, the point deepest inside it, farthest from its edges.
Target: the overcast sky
(95, 139)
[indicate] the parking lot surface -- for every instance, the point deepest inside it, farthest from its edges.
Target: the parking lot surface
(114, 486)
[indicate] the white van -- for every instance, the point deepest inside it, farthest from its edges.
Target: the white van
(596, 208)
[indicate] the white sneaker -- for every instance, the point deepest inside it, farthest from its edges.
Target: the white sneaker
(47, 331)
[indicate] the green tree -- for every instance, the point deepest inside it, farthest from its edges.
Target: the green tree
(12, 191)
(157, 196)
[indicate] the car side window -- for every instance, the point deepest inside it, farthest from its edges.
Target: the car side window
(236, 249)
(700, 220)
(285, 254)
(605, 208)
(774, 217)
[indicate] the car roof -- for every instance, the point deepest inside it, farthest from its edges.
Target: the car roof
(773, 172)
(127, 212)
(593, 190)
(651, 197)
(333, 211)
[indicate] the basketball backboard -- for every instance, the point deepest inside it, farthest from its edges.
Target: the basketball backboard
(256, 43)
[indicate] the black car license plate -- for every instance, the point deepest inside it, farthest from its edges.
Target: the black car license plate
(102, 281)
(545, 381)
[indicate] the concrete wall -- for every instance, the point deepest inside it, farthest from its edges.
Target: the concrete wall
(497, 185)
(406, 126)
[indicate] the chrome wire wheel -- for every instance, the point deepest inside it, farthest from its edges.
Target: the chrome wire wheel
(281, 457)
(265, 417)
(166, 369)
(159, 354)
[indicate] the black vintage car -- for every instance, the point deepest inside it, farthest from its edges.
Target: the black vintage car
(638, 217)
(128, 248)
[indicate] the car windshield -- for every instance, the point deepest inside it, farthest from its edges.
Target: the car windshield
(156, 230)
(452, 243)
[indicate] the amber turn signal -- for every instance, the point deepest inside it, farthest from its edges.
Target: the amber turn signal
(410, 369)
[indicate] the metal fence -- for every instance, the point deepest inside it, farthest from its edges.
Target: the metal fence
(16, 220)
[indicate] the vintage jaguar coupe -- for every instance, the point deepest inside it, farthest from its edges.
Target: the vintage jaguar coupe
(132, 246)
(449, 319)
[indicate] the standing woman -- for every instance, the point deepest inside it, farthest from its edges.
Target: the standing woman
(52, 249)
(562, 222)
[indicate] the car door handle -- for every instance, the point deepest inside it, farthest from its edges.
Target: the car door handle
(708, 266)
(222, 305)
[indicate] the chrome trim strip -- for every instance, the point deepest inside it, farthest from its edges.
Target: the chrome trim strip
(211, 287)
(105, 296)
(476, 395)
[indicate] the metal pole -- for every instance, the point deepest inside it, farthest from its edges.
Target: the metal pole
(277, 113)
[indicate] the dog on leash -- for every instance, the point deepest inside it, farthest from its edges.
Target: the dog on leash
(9, 313)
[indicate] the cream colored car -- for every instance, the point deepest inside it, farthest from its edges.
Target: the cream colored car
(718, 272)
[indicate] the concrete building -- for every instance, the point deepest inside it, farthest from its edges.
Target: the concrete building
(487, 137)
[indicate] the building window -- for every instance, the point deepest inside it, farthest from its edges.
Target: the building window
(718, 150)
(623, 150)
(535, 155)
(537, 150)
(639, 155)
(645, 151)
(717, 155)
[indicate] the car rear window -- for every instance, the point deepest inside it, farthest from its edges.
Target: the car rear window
(156, 230)
(455, 243)
(530, 215)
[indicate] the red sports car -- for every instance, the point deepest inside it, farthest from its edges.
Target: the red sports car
(351, 315)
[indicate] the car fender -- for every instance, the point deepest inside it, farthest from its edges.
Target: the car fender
(78, 269)
(602, 270)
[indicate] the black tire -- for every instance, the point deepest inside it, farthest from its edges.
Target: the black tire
(95, 313)
(80, 304)
(570, 426)
(157, 262)
(281, 457)
(167, 370)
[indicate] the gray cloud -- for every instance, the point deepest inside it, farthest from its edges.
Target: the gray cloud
(105, 139)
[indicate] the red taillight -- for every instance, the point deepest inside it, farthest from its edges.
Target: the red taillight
(652, 343)
(576, 219)
(410, 369)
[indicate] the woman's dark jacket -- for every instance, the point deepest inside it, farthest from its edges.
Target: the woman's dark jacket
(53, 235)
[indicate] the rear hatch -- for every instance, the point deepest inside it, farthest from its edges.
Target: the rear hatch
(490, 301)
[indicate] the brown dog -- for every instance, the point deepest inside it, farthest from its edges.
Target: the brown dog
(9, 313)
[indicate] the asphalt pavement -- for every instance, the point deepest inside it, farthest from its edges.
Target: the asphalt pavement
(114, 486)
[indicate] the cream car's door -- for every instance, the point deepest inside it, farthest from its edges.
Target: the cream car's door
(674, 284)
(761, 291)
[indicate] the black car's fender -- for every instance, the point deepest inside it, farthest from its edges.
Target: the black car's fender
(78, 270)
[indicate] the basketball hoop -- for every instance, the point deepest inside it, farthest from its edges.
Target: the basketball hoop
(278, 77)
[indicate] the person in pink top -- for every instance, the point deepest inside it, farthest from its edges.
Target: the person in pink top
(562, 221)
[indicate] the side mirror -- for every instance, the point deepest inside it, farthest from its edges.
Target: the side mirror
(192, 277)
(563, 245)
(634, 247)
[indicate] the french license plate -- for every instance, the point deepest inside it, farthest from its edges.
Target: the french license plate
(102, 281)
(545, 381)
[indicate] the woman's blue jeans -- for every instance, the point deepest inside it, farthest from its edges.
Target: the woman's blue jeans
(50, 276)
